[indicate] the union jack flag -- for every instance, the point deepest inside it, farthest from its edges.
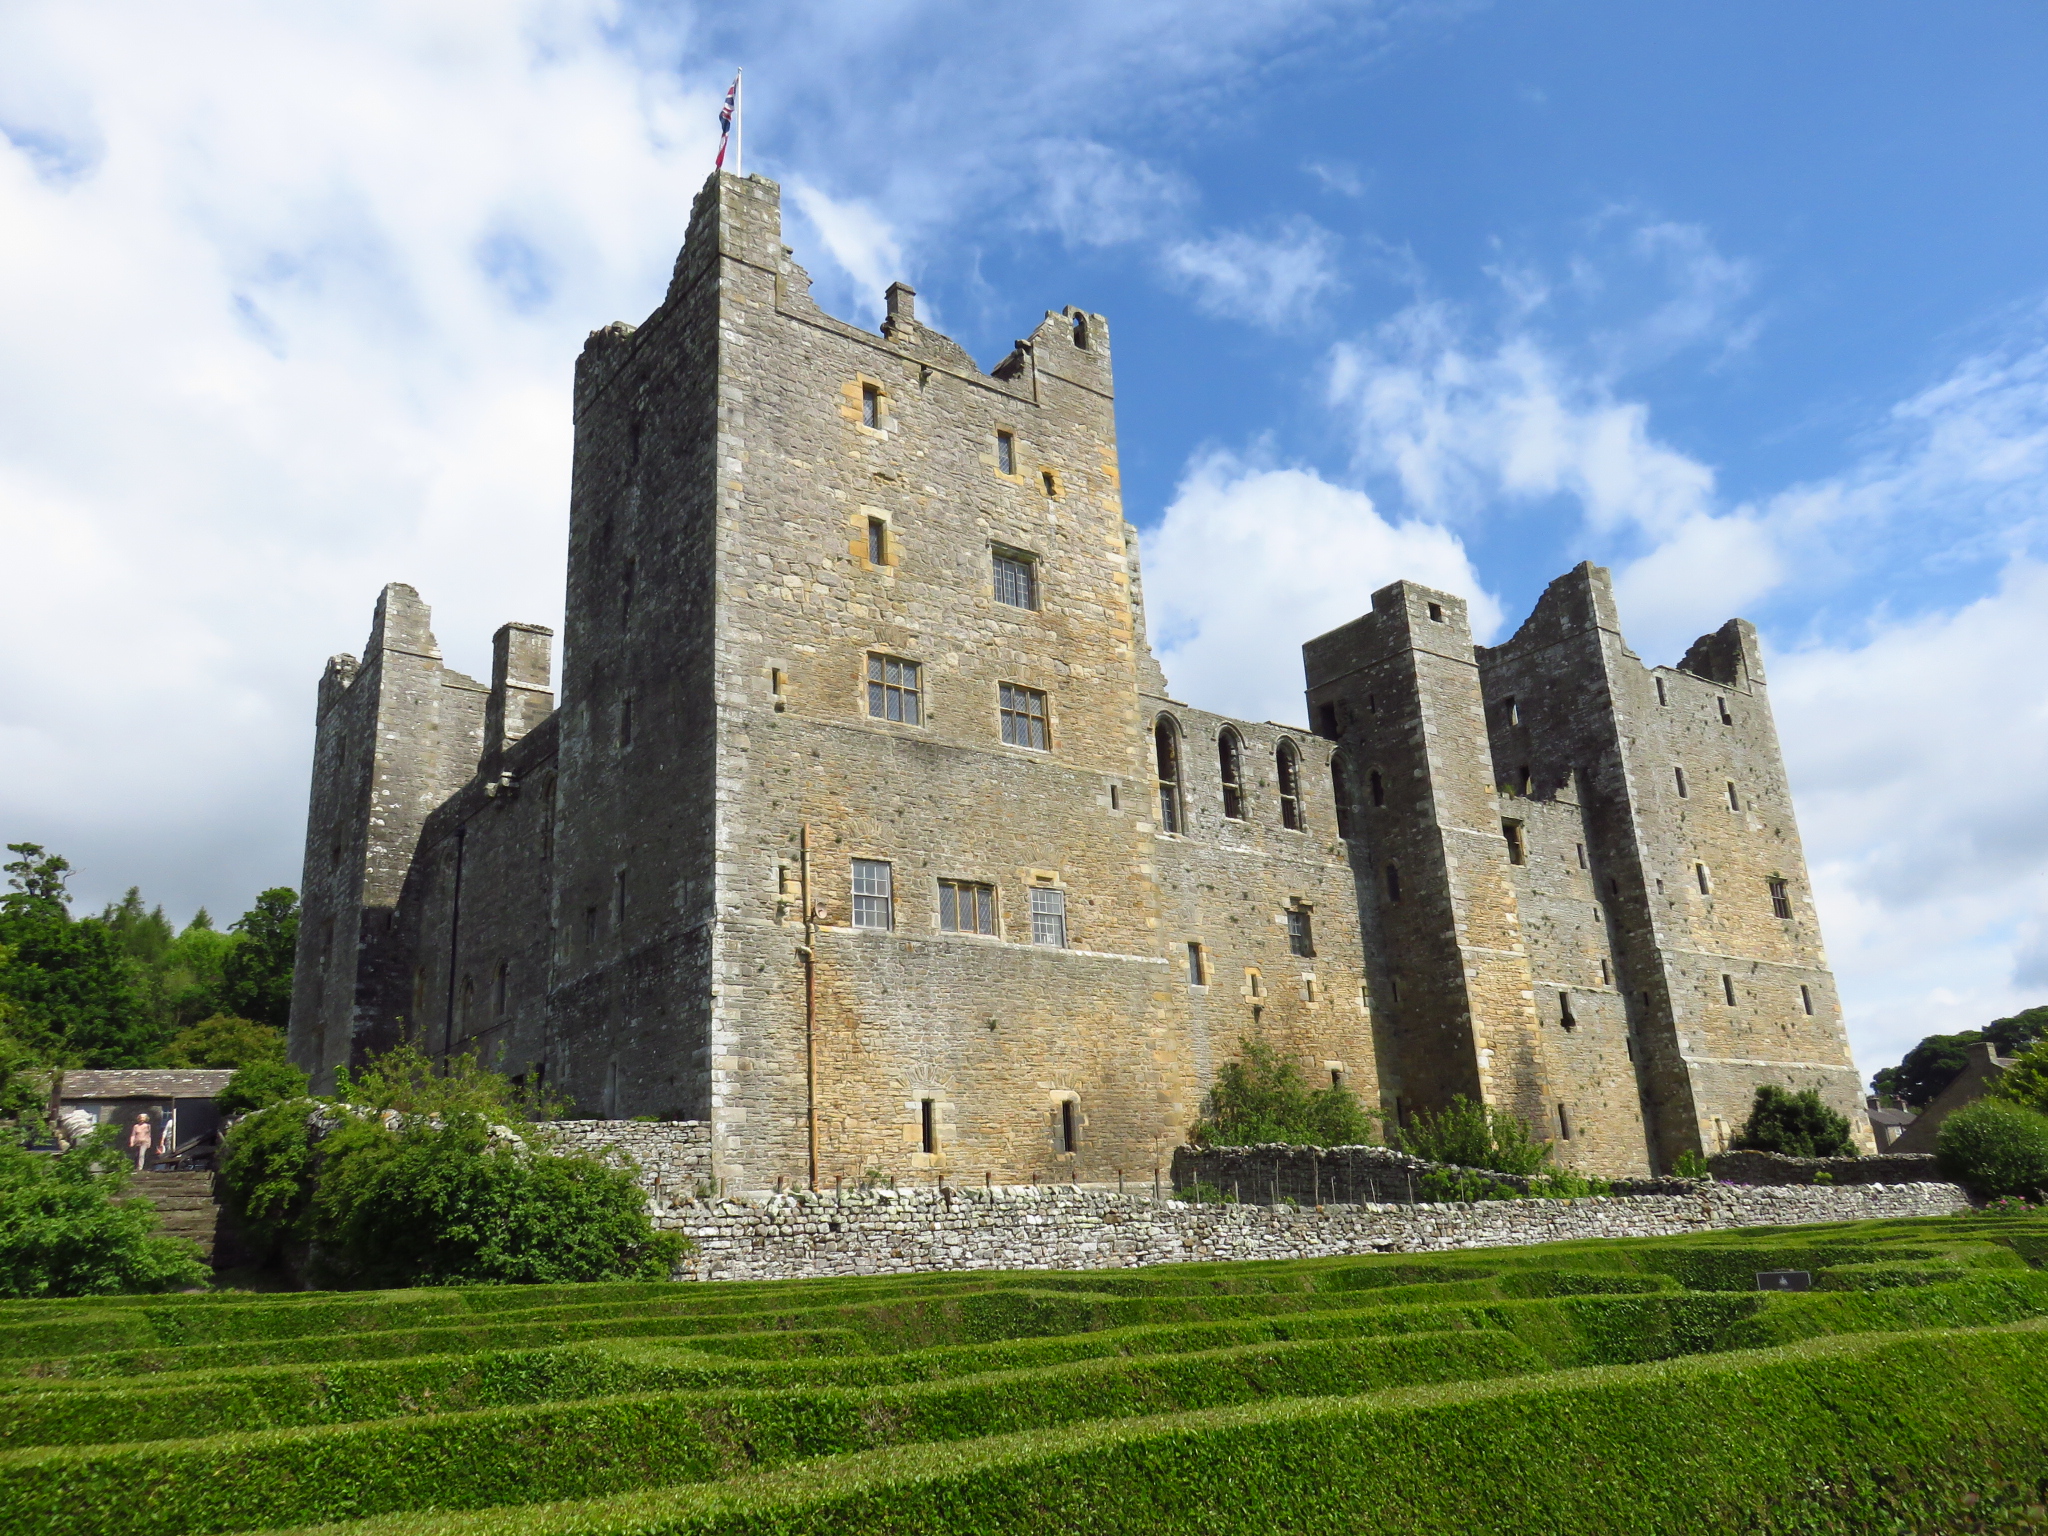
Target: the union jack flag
(725, 122)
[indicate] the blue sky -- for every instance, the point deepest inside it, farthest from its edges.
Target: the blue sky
(1749, 302)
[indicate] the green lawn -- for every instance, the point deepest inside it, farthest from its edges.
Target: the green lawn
(1628, 1386)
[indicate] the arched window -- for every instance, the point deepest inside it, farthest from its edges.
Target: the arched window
(1340, 793)
(1080, 330)
(1379, 788)
(1166, 743)
(1288, 764)
(1230, 758)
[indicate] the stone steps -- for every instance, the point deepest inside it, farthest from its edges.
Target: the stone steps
(184, 1204)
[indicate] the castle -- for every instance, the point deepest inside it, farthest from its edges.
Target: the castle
(867, 832)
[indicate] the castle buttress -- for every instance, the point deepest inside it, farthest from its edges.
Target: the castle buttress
(867, 832)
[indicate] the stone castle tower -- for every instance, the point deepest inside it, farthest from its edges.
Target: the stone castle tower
(866, 830)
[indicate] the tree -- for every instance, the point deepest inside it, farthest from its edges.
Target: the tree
(1796, 1124)
(1927, 1069)
(64, 1231)
(1262, 1097)
(224, 1042)
(256, 977)
(2026, 1080)
(260, 1085)
(1995, 1147)
(144, 934)
(1474, 1136)
(73, 984)
(2014, 1036)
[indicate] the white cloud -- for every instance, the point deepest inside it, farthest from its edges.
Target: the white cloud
(1091, 194)
(1273, 280)
(1251, 561)
(1915, 758)
(858, 239)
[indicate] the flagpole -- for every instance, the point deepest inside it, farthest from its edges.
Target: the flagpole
(739, 122)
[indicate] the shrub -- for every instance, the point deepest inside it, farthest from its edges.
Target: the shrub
(1691, 1165)
(1474, 1136)
(1461, 1184)
(2026, 1080)
(223, 1041)
(1261, 1097)
(433, 1198)
(1795, 1124)
(259, 1085)
(63, 1232)
(1995, 1147)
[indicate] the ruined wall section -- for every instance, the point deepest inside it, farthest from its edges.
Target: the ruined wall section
(394, 740)
(1752, 998)
(866, 499)
(1451, 985)
(634, 830)
(1228, 884)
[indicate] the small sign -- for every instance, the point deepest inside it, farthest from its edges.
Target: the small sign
(1784, 1280)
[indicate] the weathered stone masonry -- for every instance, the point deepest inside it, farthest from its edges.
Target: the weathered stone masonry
(780, 522)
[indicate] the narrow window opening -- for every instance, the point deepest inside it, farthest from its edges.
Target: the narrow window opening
(1081, 330)
(1393, 882)
(1372, 703)
(1781, 899)
(1230, 762)
(878, 542)
(1734, 800)
(1728, 989)
(1661, 698)
(502, 987)
(1806, 998)
(1606, 973)
(778, 685)
(589, 927)
(1678, 778)
(1197, 972)
(1288, 766)
(1565, 1016)
(1564, 1124)
(893, 690)
(966, 907)
(1300, 933)
(1070, 1140)
(1436, 613)
(1016, 580)
(1365, 997)
(1051, 485)
(1115, 798)
(627, 578)
(1660, 887)
(1524, 784)
(1006, 453)
(1394, 987)
(1518, 852)
(1255, 983)
(1706, 883)
(1166, 749)
(1326, 721)
(1022, 712)
(1722, 705)
(1048, 917)
(927, 1113)
(1581, 847)
(870, 406)
(1336, 1077)
(874, 900)
(1379, 788)
(1340, 795)
(1511, 711)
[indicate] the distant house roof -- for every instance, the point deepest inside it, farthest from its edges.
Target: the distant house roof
(143, 1084)
(1893, 1116)
(1981, 1068)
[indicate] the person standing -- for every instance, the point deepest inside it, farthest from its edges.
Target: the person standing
(139, 1137)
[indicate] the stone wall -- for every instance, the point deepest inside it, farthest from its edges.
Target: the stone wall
(1270, 1174)
(905, 1231)
(674, 1156)
(1775, 1168)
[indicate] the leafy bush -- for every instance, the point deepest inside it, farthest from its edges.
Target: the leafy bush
(1262, 1097)
(1461, 1184)
(259, 1085)
(224, 1042)
(1474, 1136)
(1691, 1165)
(1795, 1124)
(1995, 1147)
(418, 1181)
(2026, 1080)
(63, 1231)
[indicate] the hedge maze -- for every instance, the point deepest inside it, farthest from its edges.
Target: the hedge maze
(1635, 1385)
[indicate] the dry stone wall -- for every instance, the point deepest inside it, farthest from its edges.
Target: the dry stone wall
(906, 1231)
